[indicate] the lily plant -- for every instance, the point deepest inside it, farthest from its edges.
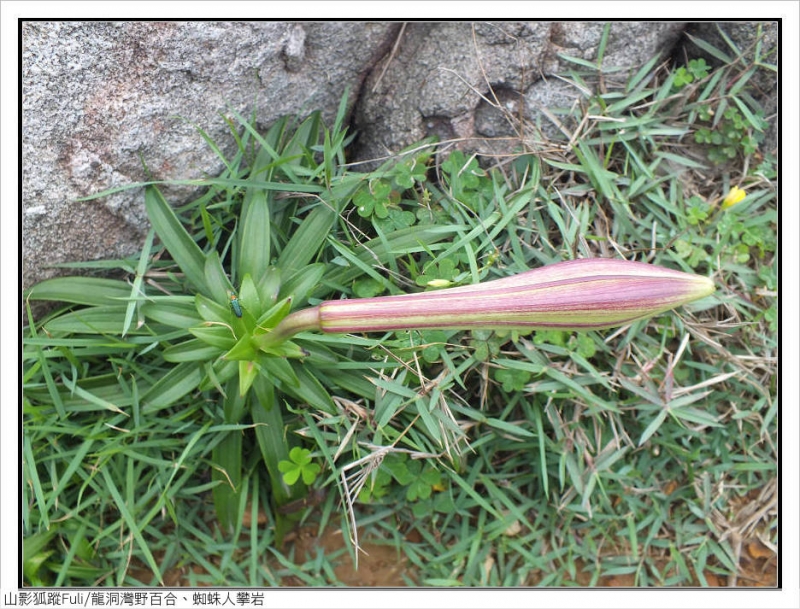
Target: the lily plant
(235, 317)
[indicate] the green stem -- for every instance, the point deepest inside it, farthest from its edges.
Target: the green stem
(299, 321)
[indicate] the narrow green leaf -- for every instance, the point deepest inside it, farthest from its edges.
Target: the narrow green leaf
(653, 427)
(248, 370)
(176, 312)
(279, 369)
(136, 288)
(35, 545)
(52, 388)
(269, 285)
(306, 241)
(32, 478)
(310, 390)
(274, 446)
(680, 160)
(131, 521)
(302, 283)
(341, 112)
(254, 236)
(754, 122)
(227, 470)
(469, 490)
(695, 415)
(275, 313)
(242, 350)
(94, 320)
(601, 47)
(249, 296)
(584, 63)
(210, 183)
(217, 281)
(212, 310)
(234, 406)
(217, 373)
(509, 428)
(602, 179)
(617, 107)
(711, 50)
(193, 350)
(81, 290)
(710, 88)
(379, 251)
(176, 239)
(90, 397)
(75, 463)
(427, 413)
(219, 336)
(175, 384)
(537, 419)
(644, 75)
(268, 145)
(299, 148)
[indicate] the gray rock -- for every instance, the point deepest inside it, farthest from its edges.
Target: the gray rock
(101, 97)
(466, 82)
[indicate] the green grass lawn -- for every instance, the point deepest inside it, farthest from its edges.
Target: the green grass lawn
(166, 441)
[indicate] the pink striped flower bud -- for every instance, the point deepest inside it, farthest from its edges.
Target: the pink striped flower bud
(587, 294)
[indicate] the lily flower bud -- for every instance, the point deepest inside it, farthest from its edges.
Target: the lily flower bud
(588, 294)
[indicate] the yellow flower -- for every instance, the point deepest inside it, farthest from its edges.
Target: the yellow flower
(733, 197)
(439, 283)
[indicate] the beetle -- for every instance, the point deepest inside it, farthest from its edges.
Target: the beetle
(237, 308)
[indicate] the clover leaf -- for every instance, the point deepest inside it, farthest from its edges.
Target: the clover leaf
(425, 480)
(299, 464)
(375, 200)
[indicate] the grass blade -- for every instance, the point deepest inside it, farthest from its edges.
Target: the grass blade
(131, 521)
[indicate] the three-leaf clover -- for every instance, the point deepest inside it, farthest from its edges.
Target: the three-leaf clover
(438, 274)
(550, 337)
(682, 77)
(434, 342)
(299, 464)
(697, 69)
(582, 344)
(486, 344)
(367, 287)
(411, 171)
(693, 254)
(396, 219)
(697, 210)
(512, 380)
(393, 467)
(467, 181)
(733, 134)
(425, 480)
(375, 200)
